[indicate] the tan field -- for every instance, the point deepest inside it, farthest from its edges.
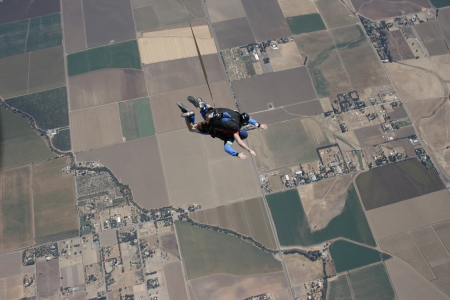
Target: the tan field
(324, 200)
(175, 281)
(414, 83)
(301, 270)
(281, 295)
(225, 286)
(95, 127)
(293, 8)
(439, 64)
(290, 57)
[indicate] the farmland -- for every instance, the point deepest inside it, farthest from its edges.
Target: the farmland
(74, 34)
(48, 108)
(46, 69)
(347, 256)
(61, 140)
(439, 3)
(11, 11)
(221, 11)
(233, 33)
(44, 32)
(207, 252)
(136, 119)
(16, 214)
(339, 289)
(13, 38)
(121, 55)
(371, 283)
(432, 37)
(305, 23)
(19, 144)
(293, 228)
(396, 182)
(54, 200)
(14, 82)
(293, 8)
(377, 10)
(288, 143)
(335, 13)
(247, 217)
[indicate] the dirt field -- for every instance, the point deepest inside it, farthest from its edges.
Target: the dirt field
(398, 46)
(437, 64)
(290, 57)
(324, 200)
(182, 73)
(95, 127)
(165, 104)
(16, 226)
(369, 136)
(335, 14)
(47, 276)
(139, 166)
(175, 281)
(293, 8)
(444, 23)
(108, 21)
(279, 88)
(46, 69)
(72, 15)
(225, 286)
(169, 242)
(14, 80)
(233, 33)
(290, 112)
(104, 87)
(12, 10)
(408, 283)
(382, 9)
(413, 83)
(222, 11)
(301, 269)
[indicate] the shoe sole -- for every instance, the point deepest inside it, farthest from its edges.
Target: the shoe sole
(193, 101)
(183, 108)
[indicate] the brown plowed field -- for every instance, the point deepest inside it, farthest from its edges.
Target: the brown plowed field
(175, 281)
(233, 33)
(72, 17)
(47, 276)
(138, 164)
(16, 215)
(225, 286)
(13, 10)
(398, 46)
(95, 127)
(105, 86)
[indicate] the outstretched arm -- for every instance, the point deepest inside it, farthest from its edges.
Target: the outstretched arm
(257, 124)
(228, 149)
(242, 144)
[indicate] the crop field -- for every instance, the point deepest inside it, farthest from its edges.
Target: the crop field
(14, 10)
(292, 8)
(16, 214)
(300, 269)
(233, 33)
(305, 23)
(396, 182)
(293, 227)
(121, 55)
(226, 286)
(324, 65)
(398, 46)
(53, 198)
(439, 3)
(136, 119)
(44, 32)
(74, 35)
(207, 252)
(13, 38)
(145, 175)
(14, 79)
(146, 18)
(361, 63)
(444, 23)
(288, 143)
(47, 278)
(432, 37)
(222, 11)
(380, 9)
(371, 283)
(339, 289)
(108, 21)
(61, 140)
(347, 256)
(247, 217)
(286, 113)
(46, 69)
(48, 108)
(335, 13)
(175, 281)
(19, 144)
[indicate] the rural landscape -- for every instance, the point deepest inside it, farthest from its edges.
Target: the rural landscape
(106, 195)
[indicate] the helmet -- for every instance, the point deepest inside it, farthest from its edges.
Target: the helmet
(243, 119)
(243, 134)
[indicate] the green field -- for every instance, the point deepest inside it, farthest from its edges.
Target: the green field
(13, 38)
(396, 182)
(305, 23)
(54, 200)
(61, 140)
(440, 3)
(136, 119)
(48, 108)
(44, 32)
(46, 69)
(339, 289)
(293, 227)
(16, 209)
(207, 252)
(19, 145)
(347, 256)
(120, 55)
(403, 123)
(371, 283)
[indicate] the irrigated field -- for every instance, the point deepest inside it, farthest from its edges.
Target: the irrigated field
(371, 283)
(293, 227)
(13, 37)
(347, 256)
(305, 23)
(396, 182)
(61, 140)
(136, 119)
(324, 65)
(19, 145)
(121, 55)
(340, 289)
(53, 199)
(16, 212)
(44, 32)
(247, 217)
(288, 143)
(48, 108)
(207, 252)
